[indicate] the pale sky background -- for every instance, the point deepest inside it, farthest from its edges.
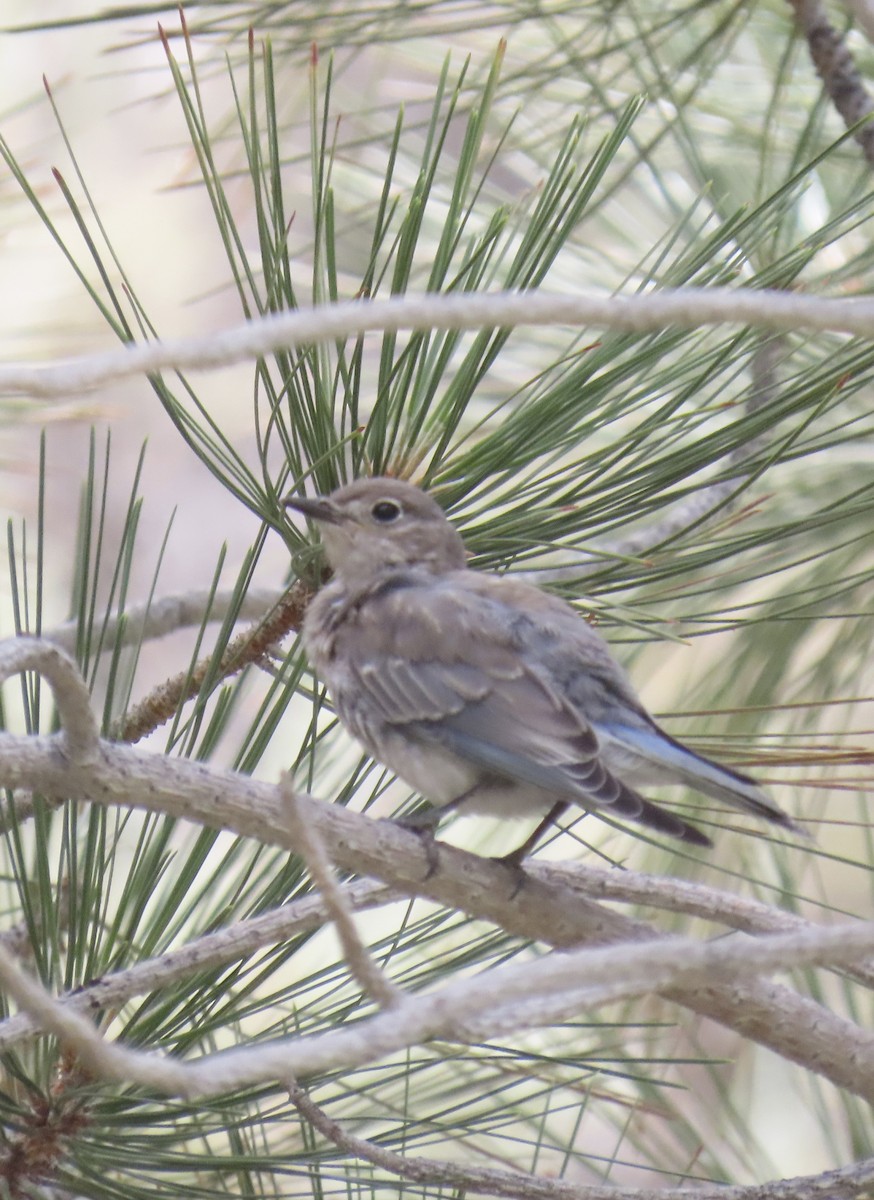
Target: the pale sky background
(120, 134)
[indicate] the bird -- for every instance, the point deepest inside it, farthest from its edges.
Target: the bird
(485, 693)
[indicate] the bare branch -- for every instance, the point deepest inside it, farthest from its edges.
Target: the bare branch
(159, 618)
(689, 308)
(97, 1056)
(250, 646)
(777, 1017)
(228, 945)
(80, 736)
(21, 806)
(844, 1184)
(673, 895)
(835, 66)
(511, 997)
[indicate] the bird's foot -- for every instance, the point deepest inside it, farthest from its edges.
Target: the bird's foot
(423, 824)
(513, 862)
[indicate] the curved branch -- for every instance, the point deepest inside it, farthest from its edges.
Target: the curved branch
(80, 736)
(244, 937)
(231, 944)
(775, 1016)
(506, 999)
(158, 618)
(689, 308)
(843, 1184)
(683, 896)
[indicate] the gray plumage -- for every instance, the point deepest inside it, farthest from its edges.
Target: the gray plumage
(482, 692)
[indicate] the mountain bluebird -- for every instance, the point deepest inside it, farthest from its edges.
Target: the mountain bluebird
(482, 692)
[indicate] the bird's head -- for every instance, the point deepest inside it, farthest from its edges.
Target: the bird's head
(376, 523)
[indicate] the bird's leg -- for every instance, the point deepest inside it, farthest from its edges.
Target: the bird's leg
(516, 857)
(429, 818)
(425, 822)
(426, 819)
(423, 825)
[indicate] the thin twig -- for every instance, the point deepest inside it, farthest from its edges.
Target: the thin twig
(683, 896)
(836, 67)
(670, 895)
(158, 618)
(372, 978)
(250, 646)
(216, 949)
(843, 1184)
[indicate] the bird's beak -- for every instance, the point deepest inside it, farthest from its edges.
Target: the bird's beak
(319, 508)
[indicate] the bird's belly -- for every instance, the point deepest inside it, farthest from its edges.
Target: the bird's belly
(444, 778)
(503, 798)
(439, 776)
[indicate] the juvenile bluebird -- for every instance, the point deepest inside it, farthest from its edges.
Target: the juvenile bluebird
(482, 692)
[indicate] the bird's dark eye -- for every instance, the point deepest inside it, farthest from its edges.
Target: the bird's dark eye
(385, 511)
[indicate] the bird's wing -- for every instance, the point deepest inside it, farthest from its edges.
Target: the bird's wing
(444, 667)
(581, 666)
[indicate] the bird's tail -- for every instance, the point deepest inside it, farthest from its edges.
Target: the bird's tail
(654, 817)
(674, 762)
